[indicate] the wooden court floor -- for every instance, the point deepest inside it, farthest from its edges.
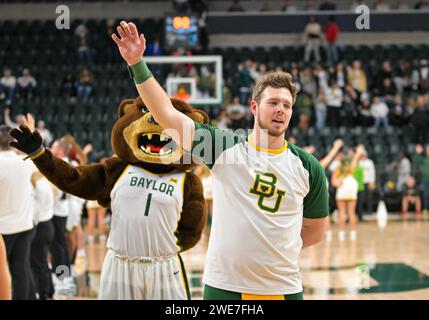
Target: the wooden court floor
(389, 263)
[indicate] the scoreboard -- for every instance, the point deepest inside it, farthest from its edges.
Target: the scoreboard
(181, 31)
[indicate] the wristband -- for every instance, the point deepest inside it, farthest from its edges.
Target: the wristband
(35, 154)
(139, 72)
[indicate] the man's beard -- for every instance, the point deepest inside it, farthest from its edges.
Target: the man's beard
(272, 132)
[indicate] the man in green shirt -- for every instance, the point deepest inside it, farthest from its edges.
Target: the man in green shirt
(269, 198)
(421, 172)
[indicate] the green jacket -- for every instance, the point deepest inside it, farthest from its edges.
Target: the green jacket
(421, 167)
(358, 175)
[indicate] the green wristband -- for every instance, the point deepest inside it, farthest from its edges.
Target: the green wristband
(139, 72)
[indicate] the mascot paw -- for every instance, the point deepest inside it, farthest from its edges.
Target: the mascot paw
(26, 141)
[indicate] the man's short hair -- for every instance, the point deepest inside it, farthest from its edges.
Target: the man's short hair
(276, 79)
(5, 137)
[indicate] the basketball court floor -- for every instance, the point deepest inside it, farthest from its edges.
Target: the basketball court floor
(389, 263)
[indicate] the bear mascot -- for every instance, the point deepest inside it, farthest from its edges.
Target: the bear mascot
(157, 204)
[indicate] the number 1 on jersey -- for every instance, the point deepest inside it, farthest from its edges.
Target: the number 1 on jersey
(149, 199)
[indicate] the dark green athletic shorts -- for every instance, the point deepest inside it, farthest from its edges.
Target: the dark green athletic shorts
(211, 293)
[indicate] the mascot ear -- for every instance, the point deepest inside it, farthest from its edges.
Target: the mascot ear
(125, 106)
(200, 116)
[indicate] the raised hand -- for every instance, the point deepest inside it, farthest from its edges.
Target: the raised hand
(30, 122)
(360, 149)
(26, 141)
(338, 143)
(131, 45)
(87, 149)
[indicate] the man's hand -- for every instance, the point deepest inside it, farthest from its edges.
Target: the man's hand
(30, 122)
(130, 44)
(87, 149)
(338, 143)
(360, 149)
(27, 141)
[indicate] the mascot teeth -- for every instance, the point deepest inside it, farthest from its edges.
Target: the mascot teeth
(164, 137)
(149, 136)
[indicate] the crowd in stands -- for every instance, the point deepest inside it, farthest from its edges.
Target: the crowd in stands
(343, 95)
(330, 5)
(284, 5)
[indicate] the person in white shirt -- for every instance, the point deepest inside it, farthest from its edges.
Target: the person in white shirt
(8, 82)
(59, 251)
(404, 171)
(312, 39)
(369, 177)
(16, 216)
(43, 213)
(270, 198)
(420, 77)
(380, 112)
(45, 133)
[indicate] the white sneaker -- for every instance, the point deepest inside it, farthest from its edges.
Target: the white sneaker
(341, 235)
(353, 235)
(328, 235)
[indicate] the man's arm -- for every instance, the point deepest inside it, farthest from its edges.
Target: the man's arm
(332, 154)
(316, 203)
(313, 230)
(7, 120)
(91, 182)
(132, 46)
(360, 149)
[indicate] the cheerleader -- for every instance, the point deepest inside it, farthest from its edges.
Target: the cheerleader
(347, 191)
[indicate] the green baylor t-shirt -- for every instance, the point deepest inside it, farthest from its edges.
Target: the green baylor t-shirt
(260, 197)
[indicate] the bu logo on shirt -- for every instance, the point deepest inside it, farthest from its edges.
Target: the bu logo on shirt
(264, 186)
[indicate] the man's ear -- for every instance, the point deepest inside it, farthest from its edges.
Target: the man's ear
(253, 107)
